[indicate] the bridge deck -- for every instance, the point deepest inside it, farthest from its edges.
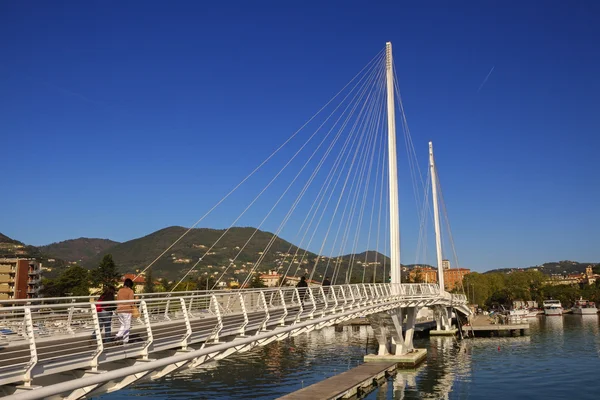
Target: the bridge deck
(345, 384)
(52, 339)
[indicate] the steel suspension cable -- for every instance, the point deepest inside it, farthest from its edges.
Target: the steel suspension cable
(372, 62)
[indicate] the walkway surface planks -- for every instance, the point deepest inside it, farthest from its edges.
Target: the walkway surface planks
(344, 384)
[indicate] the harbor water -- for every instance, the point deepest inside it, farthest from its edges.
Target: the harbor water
(560, 359)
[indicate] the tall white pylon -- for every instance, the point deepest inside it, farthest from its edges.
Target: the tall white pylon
(436, 218)
(395, 269)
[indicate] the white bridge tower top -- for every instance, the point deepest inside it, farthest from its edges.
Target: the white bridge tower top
(395, 269)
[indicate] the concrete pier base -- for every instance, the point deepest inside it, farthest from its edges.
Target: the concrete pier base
(409, 360)
(449, 332)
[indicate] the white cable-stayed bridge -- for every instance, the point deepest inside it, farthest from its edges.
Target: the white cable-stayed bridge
(336, 188)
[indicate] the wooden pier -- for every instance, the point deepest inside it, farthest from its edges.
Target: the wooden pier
(355, 382)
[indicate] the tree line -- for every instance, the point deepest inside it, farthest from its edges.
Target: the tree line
(490, 290)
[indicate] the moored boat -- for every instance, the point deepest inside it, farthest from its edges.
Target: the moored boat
(585, 307)
(552, 307)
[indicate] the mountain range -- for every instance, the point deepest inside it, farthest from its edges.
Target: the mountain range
(244, 245)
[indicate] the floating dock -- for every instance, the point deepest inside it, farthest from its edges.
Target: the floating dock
(482, 326)
(410, 360)
(450, 332)
(356, 382)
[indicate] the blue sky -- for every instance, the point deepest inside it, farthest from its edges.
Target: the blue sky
(121, 118)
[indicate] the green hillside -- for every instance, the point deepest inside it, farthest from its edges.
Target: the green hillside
(6, 240)
(81, 249)
(138, 253)
(564, 267)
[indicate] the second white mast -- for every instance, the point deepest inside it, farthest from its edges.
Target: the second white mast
(395, 269)
(436, 218)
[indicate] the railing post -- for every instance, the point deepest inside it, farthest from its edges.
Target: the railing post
(367, 298)
(300, 303)
(99, 342)
(188, 325)
(245, 312)
(314, 304)
(32, 347)
(344, 296)
(351, 296)
(146, 319)
(374, 295)
(384, 290)
(167, 308)
(267, 316)
(190, 305)
(335, 300)
(285, 311)
(322, 289)
(70, 318)
(219, 327)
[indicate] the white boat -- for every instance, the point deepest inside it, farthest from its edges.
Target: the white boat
(516, 316)
(552, 307)
(585, 307)
(532, 313)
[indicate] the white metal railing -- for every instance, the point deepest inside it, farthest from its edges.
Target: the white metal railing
(41, 336)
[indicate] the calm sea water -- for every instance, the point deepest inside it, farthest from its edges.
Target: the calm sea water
(560, 359)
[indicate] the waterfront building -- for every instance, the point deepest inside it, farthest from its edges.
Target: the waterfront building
(423, 274)
(453, 277)
(582, 279)
(20, 278)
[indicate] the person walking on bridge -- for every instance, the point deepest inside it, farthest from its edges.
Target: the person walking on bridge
(302, 288)
(124, 310)
(326, 286)
(105, 311)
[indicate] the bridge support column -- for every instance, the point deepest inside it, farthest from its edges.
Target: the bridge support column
(398, 340)
(393, 345)
(411, 319)
(443, 322)
(381, 331)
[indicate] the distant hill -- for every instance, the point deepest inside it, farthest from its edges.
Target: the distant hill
(9, 247)
(78, 250)
(564, 267)
(5, 239)
(138, 253)
(13, 248)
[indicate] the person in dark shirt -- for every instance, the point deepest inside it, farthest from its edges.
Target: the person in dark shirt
(302, 288)
(105, 311)
(326, 282)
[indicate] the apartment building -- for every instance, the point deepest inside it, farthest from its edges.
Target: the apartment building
(20, 278)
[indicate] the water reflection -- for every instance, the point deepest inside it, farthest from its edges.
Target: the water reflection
(448, 362)
(563, 351)
(590, 323)
(266, 372)
(553, 324)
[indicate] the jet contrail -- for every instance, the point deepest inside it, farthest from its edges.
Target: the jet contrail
(486, 78)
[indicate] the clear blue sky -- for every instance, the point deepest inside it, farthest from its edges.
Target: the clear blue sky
(120, 118)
